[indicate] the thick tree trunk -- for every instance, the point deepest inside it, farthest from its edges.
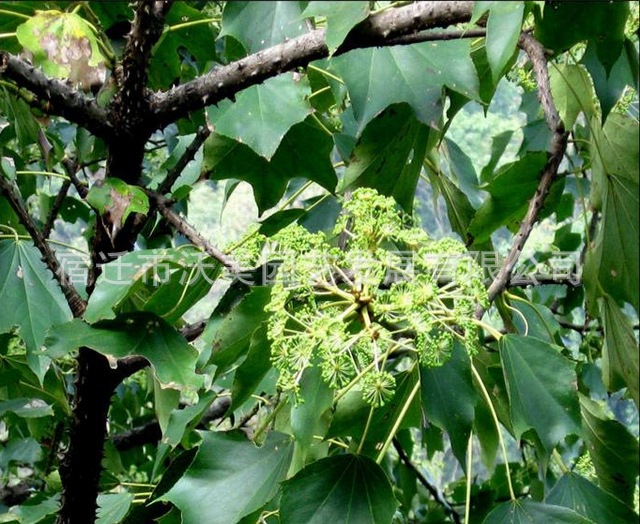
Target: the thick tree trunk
(81, 467)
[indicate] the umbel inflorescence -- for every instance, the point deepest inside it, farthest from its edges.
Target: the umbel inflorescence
(390, 290)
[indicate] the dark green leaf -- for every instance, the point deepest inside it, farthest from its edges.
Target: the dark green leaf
(566, 23)
(462, 171)
(281, 219)
(311, 416)
(258, 25)
(349, 489)
(542, 388)
(261, 115)
(172, 358)
(379, 77)
(26, 407)
(388, 157)
(341, 17)
(229, 464)
(620, 349)
(577, 493)
(530, 512)
(449, 399)
(31, 298)
(304, 152)
(253, 369)
(613, 450)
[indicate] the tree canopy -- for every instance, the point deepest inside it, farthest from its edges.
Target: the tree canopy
(342, 359)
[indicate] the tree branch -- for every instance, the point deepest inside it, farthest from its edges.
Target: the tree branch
(62, 100)
(162, 204)
(76, 303)
(188, 155)
(438, 497)
(558, 146)
(377, 30)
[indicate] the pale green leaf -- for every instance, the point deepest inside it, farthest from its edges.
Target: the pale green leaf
(350, 489)
(261, 115)
(542, 388)
(572, 92)
(112, 507)
(172, 358)
(244, 476)
(26, 407)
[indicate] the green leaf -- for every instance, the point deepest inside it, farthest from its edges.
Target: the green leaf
(253, 369)
(167, 63)
(166, 282)
(449, 399)
(379, 77)
(261, 115)
(31, 299)
(23, 122)
(613, 450)
(609, 87)
(64, 45)
(620, 349)
(26, 407)
(232, 331)
(229, 464)
(382, 159)
(503, 31)
(462, 171)
(530, 512)
(567, 23)
(348, 489)
(572, 92)
(112, 507)
(258, 25)
(510, 191)
(311, 416)
(304, 152)
(172, 358)
(612, 262)
(542, 388)
(341, 17)
(577, 493)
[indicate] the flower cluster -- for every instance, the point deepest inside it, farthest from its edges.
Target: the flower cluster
(364, 304)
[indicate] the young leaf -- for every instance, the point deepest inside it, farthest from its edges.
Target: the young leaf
(351, 489)
(172, 358)
(244, 475)
(542, 388)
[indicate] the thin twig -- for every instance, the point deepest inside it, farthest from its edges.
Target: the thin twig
(162, 204)
(435, 493)
(558, 146)
(76, 303)
(55, 208)
(188, 155)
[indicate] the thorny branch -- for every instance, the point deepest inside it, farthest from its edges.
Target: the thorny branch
(558, 147)
(76, 303)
